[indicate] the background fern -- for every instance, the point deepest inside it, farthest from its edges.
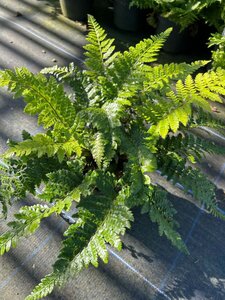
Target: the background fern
(124, 119)
(186, 13)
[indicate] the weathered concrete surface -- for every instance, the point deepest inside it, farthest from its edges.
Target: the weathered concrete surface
(39, 38)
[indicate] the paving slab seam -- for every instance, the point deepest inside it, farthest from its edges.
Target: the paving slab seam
(212, 132)
(130, 267)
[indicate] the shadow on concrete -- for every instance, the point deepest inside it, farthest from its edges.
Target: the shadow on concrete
(17, 35)
(56, 31)
(200, 273)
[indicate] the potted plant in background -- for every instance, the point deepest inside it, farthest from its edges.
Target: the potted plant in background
(126, 17)
(187, 18)
(76, 10)
(217, 41)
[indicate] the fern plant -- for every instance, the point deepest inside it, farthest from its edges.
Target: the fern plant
(123, 119)
(217, 41)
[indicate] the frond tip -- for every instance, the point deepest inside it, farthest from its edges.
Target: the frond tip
(42, 144)
(99, 49)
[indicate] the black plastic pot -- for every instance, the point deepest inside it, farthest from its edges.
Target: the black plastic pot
(200, 38)
(126, 18)
(178, 41)
(76, 10)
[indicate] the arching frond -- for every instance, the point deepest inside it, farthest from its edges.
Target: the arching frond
(99, 50)
(192, 179)
(101, 219)
(161, 211)
(42, 144)
(189, 92)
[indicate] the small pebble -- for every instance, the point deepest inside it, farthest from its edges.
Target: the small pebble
(11, 42)
(54, 60)
(43, 51)
(18, 14)
(214, 109)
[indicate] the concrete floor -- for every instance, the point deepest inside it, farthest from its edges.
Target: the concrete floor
(148, 267)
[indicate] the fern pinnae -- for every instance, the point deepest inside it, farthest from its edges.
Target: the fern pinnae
(161, 75)
(186, 93)
(99, 50)
(44, 288)
(128, 64)
(89, 243)
(177, 171)
(29, 218)
(60, 73)
(98, 149)
(45, 97)
(162, 212)
(44, 144)
(23, 227)
(76, 79)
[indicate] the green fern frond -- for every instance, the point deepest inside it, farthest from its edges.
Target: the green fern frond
(76, 79)
(147, 50)
(98, 148)
(42, 144)
(138, 185)
(60, 183)
(45, 97)
(102, 219)
(99, 50)
(29, 217)
(28, 220)
(193, 180)
(189, 145)
(203, 190)
(190, 92)
(126, 74)
(12, 184)
(162, 75)
(44, 288)
(161, 211)
(6, 189)
(172, 121)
